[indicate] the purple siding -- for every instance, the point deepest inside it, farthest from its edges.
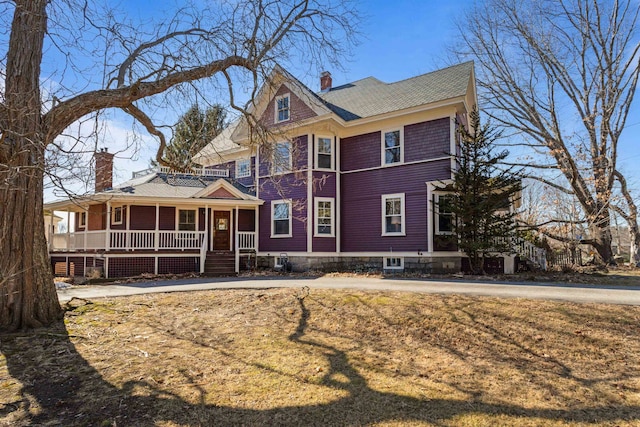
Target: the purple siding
(324, 185)
(201, 219)
(298, 110)
(246, 220)
(294, 190)
(167, 217)
(427, 140)
(360, 152)
(361, 210)
(247, 181)
(142, 218)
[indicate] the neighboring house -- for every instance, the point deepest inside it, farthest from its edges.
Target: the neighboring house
(51, 222)
(345, 178)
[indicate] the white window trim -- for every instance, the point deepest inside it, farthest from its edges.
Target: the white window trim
(113, 215)
(316, 152)
(383, 151)
(436, 218)
(317, 201)
(185, 208)
(82, 219)
(248, 162)
(275, 108)
(399, 267)
(274, 157)
(402, 214)
(280, 236)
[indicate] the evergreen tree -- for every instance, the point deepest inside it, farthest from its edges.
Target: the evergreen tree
(481, 195)
(193, 131)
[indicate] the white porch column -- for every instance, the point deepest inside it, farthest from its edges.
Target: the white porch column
(50, 232)
(156, 238)
(236, 235)
(206, 226)
(86, 229)
(68, 228)
(127, 241)
(430, 224)
(107, 236)
(255, 229)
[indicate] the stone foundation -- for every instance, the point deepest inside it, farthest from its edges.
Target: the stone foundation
(422, 265)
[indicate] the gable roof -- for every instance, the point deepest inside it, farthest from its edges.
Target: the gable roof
(370, 96)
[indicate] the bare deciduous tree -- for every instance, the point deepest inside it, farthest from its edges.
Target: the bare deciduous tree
(234, 41)
(562, 74)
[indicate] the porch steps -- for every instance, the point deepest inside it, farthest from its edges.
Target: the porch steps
(220, 263)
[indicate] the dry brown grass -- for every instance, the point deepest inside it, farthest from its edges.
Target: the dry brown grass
(282, 357)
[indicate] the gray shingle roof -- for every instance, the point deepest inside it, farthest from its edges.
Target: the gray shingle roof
(370, 97)
(169, 185)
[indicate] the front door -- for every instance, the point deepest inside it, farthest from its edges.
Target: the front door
(221, 230)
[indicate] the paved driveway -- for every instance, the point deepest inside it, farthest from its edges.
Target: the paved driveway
(548, 291)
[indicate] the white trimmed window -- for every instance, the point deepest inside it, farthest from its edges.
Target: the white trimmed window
(324, 214)
(324, 153)
(392, 147)
(282, 109)
(187, 220)
(243, 168)
(117, 215)
(393, 221)
(443, 214)
(82, 221)
(281, 158)
(393, 263)
(280, 218)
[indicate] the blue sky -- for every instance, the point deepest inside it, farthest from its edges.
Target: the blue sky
(400, 39)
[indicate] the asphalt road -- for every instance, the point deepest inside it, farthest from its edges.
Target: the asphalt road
(548, 291)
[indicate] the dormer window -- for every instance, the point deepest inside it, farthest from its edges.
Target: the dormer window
(282, 108)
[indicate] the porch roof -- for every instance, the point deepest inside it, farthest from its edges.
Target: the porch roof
(169, 188)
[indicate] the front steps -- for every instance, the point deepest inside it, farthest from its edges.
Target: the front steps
(220, 263)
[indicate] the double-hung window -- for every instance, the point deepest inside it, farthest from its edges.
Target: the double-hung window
(82, 222)
(281, 158)
(393, 218)
(280, 218)
(324, 153)
(444, 214)
(282, 108)
(392, 142)
(117, 215)
(243, 168)
(324, 214)
(187, 220)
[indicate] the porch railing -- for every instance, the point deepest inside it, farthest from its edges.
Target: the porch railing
(246, 240)
(127, 240)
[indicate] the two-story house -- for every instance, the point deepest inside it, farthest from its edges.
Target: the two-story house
(342, 178)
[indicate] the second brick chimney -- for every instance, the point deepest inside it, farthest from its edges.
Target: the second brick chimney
(104, 170)
(325, 81)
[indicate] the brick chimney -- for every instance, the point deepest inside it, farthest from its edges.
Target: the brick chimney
(104, 170)
(325, 81)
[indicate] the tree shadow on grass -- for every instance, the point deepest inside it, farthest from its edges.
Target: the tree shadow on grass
(57, 383)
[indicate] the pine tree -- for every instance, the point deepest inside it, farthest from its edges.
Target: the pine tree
(482, 193)
(193, 131)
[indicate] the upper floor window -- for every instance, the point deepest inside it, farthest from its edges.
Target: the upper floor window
(324, 215)
(282, 108)
(280, 218)
(392, 142)
(187, 220)
(117, 215)
(444, 214)
(243, 168)
(393, 215)
(281, 158)
(324, 153)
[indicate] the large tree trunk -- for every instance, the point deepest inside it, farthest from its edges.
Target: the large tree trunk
(28, 296)
(601, 242)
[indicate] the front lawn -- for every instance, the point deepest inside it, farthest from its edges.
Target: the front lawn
(326, 358)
